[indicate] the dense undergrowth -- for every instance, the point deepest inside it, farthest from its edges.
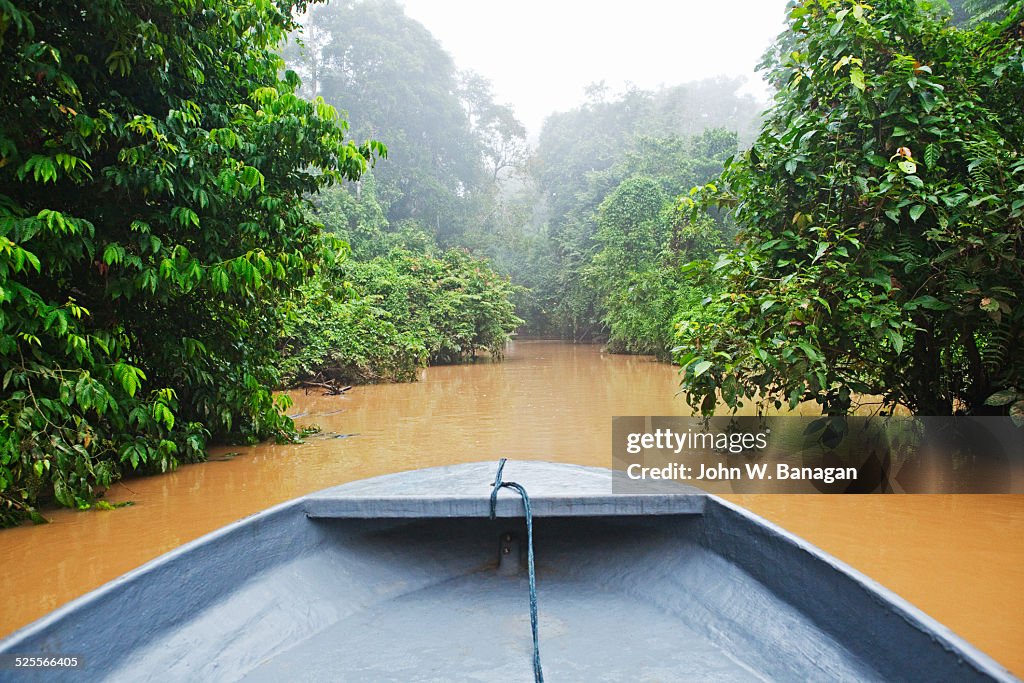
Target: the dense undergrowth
(397, 304)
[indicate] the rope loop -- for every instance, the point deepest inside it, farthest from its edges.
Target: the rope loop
(538, 674)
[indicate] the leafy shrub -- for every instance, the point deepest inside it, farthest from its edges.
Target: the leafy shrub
(385, 318)
(882, 220)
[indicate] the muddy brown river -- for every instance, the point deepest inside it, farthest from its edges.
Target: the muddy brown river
(959, 558)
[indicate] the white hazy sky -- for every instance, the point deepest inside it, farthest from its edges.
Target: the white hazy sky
(541, 54)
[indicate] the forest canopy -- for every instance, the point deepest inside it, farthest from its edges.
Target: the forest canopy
(450, 141)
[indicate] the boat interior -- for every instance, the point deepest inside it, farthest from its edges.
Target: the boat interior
(319, 589)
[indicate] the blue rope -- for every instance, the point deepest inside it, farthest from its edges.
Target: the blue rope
(538, 675)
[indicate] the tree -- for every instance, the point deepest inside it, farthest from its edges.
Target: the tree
(356, 217)
(882, 220)
(385, 318)
(644, 240)
(630, 228)
(565, 298)
(677, 136)
(450, 141)
(501, 135)
(153, 168)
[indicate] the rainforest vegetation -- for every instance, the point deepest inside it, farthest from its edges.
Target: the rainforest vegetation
(202, 203)
(173, 244)
(881, 220)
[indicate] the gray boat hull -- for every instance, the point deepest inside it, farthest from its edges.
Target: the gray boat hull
(396, 579)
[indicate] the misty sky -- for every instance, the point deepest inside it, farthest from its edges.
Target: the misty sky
(540, 54)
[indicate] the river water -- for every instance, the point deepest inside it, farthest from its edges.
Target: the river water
(959, 558)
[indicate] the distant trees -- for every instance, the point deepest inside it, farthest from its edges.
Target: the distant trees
(881, 217)
(593, 138)
(450, 141)
(500, 134)
(401, 300)
(631, 233)
(630, 230)
(460, 169)
(638, 273)
(666, 136)
(153, 174)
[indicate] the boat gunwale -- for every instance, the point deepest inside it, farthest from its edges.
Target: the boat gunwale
(913, 616)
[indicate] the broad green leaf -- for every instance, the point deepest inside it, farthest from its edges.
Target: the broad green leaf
(857, 78)
(701, 367)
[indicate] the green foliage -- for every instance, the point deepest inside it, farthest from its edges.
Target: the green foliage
(397, 305)
(450, 140)
(383, 319)
(339, 334)
(451, 301)
(153, 166)
(640, 311)
(560, 269)
(356, 217)
(607, 268)
(881, 213)
(630, 228)
(969, 12)
(639, 273)
(1012, 400)
(625, 273)
(457, 170)
(586, 152)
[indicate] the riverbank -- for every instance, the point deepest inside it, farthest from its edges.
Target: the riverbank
(959, 558)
